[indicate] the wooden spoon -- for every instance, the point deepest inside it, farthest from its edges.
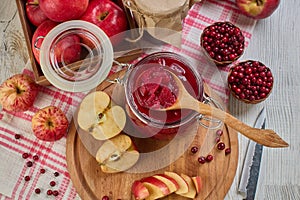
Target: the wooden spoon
(264, 137)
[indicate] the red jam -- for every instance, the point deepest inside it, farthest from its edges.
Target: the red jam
(153, 87)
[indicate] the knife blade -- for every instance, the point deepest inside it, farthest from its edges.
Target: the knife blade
(251, 166)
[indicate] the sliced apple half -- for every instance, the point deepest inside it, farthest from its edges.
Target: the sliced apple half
(156, 188)
(117, 154)
(183, 185)
(192, 190)
(99, 117)
(139, 191)
(170, 182)
(198, 183)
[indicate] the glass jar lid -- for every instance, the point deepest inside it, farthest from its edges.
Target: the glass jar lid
(76, 56)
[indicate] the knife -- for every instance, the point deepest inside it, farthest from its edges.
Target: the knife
(251, 166)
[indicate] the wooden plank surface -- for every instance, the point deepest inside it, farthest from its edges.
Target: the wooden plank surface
(275, 42)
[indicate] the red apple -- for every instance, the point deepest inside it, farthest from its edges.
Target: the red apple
(63, 10)
(18, 93)
(49, 124)
(108, 16)
(34, 13)
(139, 191)
(69, 47)
(258, 9)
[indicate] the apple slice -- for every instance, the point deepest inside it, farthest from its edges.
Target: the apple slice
(117, 154)
(139, 191)
(97, 116)
(170, 182)
(192, 190)
(198, 183)
(183, 185)
(156, 188)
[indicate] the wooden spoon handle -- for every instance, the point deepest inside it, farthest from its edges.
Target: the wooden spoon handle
(264, 137)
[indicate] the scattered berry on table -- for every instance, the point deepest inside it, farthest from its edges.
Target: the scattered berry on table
(227, 151)
(35, 157)
(201, 160)
(194, 149)
(27, 178)
(17, 136)
(221, 146)
(37, 190)
(55, 193)
(52, 183)
(209, 158)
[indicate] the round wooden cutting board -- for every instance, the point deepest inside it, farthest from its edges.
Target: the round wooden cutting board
(91, 183)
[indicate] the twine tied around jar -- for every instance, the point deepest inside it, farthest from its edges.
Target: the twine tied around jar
(151, 14)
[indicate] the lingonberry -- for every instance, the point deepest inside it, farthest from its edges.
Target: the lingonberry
(223, 42)
(201, 159)
(17, 136)
(29, 164)
(52, 183)
(25, 155)
(219, 132)
(105, 198)
(42, 171)
(56, 174)
(49, 192)
(27, 178)
(227, 151)
(35, 157)
(55, 193)
(37, 190)
(209, 158)
(194, 149)
(221, 146)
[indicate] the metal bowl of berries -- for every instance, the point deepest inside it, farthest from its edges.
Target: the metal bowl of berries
(223, 43)
(250, 81)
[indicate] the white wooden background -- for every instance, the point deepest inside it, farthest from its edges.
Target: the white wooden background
(276, 43)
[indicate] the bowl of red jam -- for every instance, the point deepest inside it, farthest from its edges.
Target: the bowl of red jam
(150, 87)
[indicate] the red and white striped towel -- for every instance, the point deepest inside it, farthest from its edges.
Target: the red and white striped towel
(52, 156)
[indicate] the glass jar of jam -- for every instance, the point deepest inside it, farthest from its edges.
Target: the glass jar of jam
(148, 85)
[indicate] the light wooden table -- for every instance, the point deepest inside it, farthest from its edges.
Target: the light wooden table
(276, 43)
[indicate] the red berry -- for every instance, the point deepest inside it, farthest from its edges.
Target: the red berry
(37, 190)
(55, 193)
(201, 160)
(27, 178)
(209, 158)
(29, 164)
(227, 151)
(219, 132)
(105, 198)
(221, 146)
(17, 136)
(218, 139)
(194, 149)
(49, 192)
(52, 183)
(56, 174)
(42, 171)
(25, 155)
(35, 157)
